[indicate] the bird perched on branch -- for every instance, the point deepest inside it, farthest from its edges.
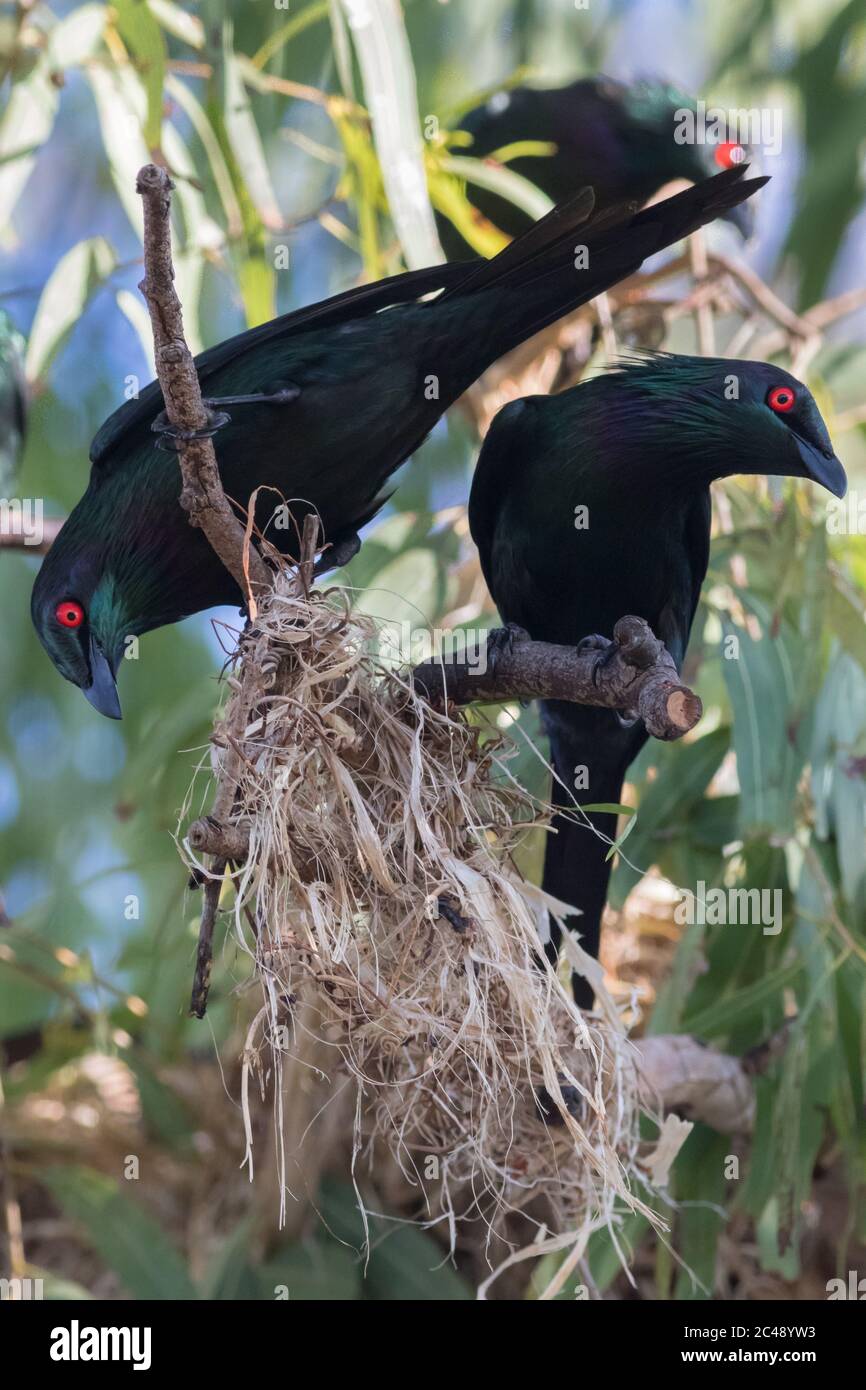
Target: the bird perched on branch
(595, 504)
(621, 139)
(322, 406)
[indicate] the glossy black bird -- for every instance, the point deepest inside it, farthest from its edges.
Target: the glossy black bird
(620, 139)
(638, 447)
(323, 405)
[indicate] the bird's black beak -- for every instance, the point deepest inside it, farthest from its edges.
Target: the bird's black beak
(823, 467)
(102, 690)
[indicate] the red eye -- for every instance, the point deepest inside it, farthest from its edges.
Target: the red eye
(69, 613)
(781, 398)
(729, 153)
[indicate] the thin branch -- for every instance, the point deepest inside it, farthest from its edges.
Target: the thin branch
(703, 308)
(684, 1075)
(204, 949)
(14, 537)
(635, 675)
(202, 497)
(762, 295)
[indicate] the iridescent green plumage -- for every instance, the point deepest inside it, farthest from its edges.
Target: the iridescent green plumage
(595, 504)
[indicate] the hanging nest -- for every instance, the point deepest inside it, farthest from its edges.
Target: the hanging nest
(377, 895)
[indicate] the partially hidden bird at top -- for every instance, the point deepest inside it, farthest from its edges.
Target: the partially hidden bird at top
(626, 140)
(595, 504)
(322, 406)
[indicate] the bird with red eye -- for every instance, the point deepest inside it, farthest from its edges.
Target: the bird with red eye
(729, 153)
(781, 399)
(69, 613)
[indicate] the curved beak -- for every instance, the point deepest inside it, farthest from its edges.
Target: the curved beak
(823, 467)
(102, 690)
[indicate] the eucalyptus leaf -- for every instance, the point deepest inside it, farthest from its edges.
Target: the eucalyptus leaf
(63, 300)
(130, 1241)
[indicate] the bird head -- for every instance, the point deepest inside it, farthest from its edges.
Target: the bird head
(784, 419)
(80, 620)
(126, 561)
(680, 146)
(734, 416)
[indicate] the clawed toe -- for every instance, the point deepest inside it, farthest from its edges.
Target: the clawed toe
(594, 643)
(172, 439)
(500, 642)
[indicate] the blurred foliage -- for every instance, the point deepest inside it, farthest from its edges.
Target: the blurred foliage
(260, 116)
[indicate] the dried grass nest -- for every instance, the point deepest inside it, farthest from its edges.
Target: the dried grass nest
(382, 908)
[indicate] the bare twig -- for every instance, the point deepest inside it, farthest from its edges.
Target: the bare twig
(704, 308)
(14, 537)
(204, 949)
(774, 307)
(683, 1075)
(202, 497)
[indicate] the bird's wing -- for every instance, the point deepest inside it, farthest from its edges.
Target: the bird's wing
(340, 308)
(674, 622)
(510, 436)
(533, 246)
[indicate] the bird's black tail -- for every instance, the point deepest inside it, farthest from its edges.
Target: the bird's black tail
(574, 253)
(590, 752)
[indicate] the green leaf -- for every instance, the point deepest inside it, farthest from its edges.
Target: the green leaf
(186, 27)
(124, 1235)
(523, 149)
(244, 138)
(380, 40)
(33, 982)
(699, 1181)
(621, 838)
(685, 770)
(404, 1262)
(64, 299)
(165, 1114)
(498, 179)
(56, 1289)
(28, 118)
(181, 93)
(763, 685)
(845, 618)
(315, 1270)
(133, 307)
(229, 1277)
(408, 1265)
(722, 1016)
(311, 14)
(143, 37)
(405, 591)
(838, 782)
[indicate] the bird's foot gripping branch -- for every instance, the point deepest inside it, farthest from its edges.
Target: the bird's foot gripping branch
(634, 675)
